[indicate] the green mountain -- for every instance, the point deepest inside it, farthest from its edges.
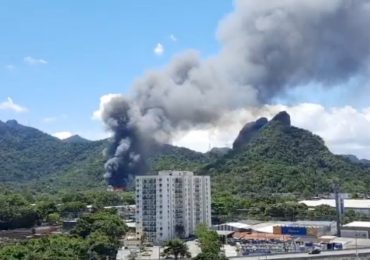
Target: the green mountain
(75, 139)
(33, 159)
(169, 157)
(29, 156)
(267, 157)
(275, 157)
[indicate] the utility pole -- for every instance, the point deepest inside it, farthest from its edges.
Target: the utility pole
(356, 246)
(339, 209)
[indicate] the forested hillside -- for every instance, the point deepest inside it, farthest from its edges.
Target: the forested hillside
(37, 161)
(281, 158)
(30, 156)
(267, 157)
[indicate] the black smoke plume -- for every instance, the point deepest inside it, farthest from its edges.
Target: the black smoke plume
(126, 152)
(267, 47)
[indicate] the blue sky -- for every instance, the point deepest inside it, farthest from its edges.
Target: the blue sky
(57, 58)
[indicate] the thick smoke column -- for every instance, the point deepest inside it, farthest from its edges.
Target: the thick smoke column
(127, 146)
(268, 46)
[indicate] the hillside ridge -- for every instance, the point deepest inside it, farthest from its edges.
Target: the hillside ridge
(268, 156)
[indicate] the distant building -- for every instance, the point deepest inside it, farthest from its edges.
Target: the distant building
(171, 204)
(356, 229)
(294, 228)
(357, 205)
(70, 224)
(232, 226)
(306, 228)
(124, 211)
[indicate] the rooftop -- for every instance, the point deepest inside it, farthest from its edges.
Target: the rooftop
(358, 224)
(314, 223)
(238, 225)
(224, 232)
(175, 173)
(348, 203)
(268, 227)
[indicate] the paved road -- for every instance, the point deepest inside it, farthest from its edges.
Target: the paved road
(351, 252)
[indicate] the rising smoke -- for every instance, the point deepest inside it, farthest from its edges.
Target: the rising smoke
(267, 47)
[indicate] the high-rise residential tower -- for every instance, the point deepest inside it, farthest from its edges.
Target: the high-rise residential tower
(171, 204)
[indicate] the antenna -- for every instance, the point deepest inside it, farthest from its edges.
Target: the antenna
(209, 142)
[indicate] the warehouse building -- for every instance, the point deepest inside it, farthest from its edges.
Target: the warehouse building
(357, 205)
(356, 229)
(312, 229)
(296, 228)
(232, 226)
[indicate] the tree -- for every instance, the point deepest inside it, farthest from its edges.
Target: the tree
(128, 197)
(210, 256)
(101, 245)
(46, 207)
(15, 212)
(322, 212)
(73, 208)
(105, 198)
(53, 218)
(176, 247)
(103, 221)
(208, 240)
(51, 247)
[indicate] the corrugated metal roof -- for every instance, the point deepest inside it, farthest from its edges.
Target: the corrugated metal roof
(358, 224)
(238, 225)
(348, 203)
(224, 232)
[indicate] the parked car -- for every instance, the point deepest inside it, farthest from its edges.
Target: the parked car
(315, 251)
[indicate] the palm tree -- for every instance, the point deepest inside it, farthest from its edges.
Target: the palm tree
(176, 247)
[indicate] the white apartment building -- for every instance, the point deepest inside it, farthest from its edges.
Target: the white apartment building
(171, 204)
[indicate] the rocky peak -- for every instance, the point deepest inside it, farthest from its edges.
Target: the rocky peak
(282, 117)
(248, 131)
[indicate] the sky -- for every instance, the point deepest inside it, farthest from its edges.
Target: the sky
(61, 60)
(57, 58)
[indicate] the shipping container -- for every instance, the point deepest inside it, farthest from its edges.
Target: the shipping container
(294, 230)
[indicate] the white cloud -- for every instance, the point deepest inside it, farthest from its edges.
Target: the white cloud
(53, 119)
(345, 130)
(62, 135)
(104, 100)
(173, 38)
(10, 67)
(9, 104)
(158, 49)
(48, 120)
(95, 135)
(34, 61)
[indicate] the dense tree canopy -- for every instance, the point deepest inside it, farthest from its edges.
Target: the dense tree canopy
(104, 221)
(96, 236)
(52, 247)
(16, 212)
